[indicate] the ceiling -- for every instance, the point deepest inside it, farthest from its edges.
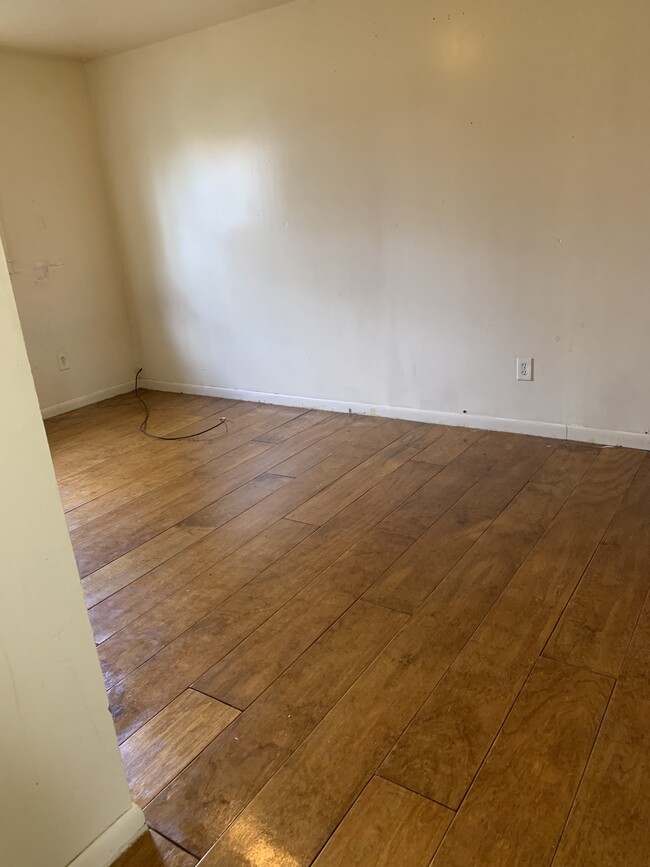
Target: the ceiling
(86, 29)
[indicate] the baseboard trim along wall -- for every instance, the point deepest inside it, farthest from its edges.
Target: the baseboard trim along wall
(87, 399)
(483, 422)
(116, 839)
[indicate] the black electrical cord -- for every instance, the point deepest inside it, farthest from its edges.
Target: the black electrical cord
(143, 426)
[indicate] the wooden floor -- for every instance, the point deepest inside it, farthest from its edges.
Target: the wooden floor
(358, 642)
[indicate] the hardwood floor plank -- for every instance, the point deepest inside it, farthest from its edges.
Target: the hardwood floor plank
(136, 597)
(142, 694)
(386, 826)
(597, 626)
(152, 850)
(248, 669)
(116, 441)
(115, 576)
(74, 457)
(452, 443)
(319, 509)
(89, 419)
(176, 419)
(442, 750)
(317, 624)
(167, 545)
(205, 452)
(90, 484)
(408, 583)
(118, 532)
(99, 428)
(128, 566)
(162, 748)
(117, 436)
(123, 652)
(295, 813)
(200, 404)
(306, 459)
(516, 808)
(209, 794)
(107, 538)
(277, 642)
(279, 435)
(109, 616)
(85, 417)
(609, 825)
(321, 780)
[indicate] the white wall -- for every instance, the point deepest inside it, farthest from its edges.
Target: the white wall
(386, 202)
(61, 778)
(54, 210)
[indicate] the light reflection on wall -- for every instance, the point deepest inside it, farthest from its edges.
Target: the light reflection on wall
(205, 197)
(457, 51)
(217, 187)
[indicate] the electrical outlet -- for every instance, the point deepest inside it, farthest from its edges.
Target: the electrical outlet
(525, 369)
(64, 363)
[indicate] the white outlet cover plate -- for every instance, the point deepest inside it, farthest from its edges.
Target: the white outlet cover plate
(525, 369)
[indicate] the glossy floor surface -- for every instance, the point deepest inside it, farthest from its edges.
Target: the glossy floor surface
(359, 642)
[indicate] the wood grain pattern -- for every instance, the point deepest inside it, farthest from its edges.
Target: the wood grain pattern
(597, 626)
(178, 570)
(169, 548)
(242, 675)
(198, 807)
(123, 529)
(126, 527)
(321, 780)
(417, 573)
(293, 816)
(142, 694)
(111, 614)
(517, 805)
(452, 733)
(376, 597)
(152, 850)
(610, 821)
(253, 665)
(387, 825)
(447, 447)
(346, 490)
(114, 439)
(159, 751)
(90, 484)
(179, 466)
(313, 454)
(279, 435)
(142, 638)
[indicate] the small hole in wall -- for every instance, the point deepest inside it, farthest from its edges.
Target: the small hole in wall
(465, 412)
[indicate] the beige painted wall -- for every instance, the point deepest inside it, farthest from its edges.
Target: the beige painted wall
(61, 779)
(386, 202)
(54, 211)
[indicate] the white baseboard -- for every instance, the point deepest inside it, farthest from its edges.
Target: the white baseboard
(554, 430)
(608, 437)
(116, 839)
(86, 400)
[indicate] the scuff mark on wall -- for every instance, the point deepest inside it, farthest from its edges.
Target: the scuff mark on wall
(42, 270)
